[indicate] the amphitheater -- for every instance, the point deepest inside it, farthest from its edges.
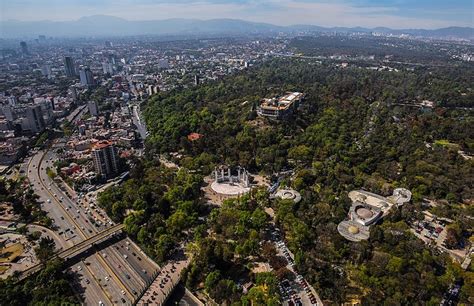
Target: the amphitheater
(230, 183)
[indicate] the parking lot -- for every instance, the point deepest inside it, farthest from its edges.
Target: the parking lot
(297, 291)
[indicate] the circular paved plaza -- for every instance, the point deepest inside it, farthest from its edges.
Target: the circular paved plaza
(227, 188)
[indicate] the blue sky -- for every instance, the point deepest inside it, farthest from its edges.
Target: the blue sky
(367, 13)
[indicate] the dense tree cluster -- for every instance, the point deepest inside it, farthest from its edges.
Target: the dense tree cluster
(223, 253)
(51, 286)
(381, 48)
(157, 205)
(23, 200)
(354, 130)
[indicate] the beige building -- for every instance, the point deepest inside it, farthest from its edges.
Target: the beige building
(105, 157)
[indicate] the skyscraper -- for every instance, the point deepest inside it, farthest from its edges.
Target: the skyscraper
(108, 68)
(93, 108)
(24, 47)
(33, 120)
(73, 92)
(104, 155)
(46, 70)
(87, 79)
(69, 67)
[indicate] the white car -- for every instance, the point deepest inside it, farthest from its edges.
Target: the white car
(79, 268)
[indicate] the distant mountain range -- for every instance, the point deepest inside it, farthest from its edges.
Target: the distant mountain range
(101, 25)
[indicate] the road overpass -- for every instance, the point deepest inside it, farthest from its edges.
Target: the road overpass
(77, 248)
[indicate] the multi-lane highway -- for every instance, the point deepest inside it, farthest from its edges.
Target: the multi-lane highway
(115, 273)
(137, 120)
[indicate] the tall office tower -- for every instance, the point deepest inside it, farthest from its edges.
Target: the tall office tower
(12, 100)
(108, 68)
(46, 71)
(24, 47)
(73, 93)
(196, 80)
(34, 118)
(111, 59)
(104, 155)
(93, 108)
(87, 79)
(69, 67)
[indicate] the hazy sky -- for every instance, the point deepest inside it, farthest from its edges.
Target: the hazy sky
(368, 13)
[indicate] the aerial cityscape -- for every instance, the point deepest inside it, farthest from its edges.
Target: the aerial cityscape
(236, 152)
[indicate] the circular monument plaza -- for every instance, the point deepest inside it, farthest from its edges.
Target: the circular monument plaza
(353, 231)
(288, 194)
(231, 184)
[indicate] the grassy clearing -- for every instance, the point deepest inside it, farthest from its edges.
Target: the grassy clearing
(11, 252)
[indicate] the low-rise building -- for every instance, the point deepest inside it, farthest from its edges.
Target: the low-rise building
(280, 107)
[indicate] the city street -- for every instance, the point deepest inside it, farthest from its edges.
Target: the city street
(114, 274)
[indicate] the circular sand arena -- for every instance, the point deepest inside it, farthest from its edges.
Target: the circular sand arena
(227, 188)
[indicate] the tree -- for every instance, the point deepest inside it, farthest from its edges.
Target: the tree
(45, 248)
(211, 280)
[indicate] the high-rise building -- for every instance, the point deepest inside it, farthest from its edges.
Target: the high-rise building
(108, 68)
(104, 155)
(86, 76)
(28, 117)
(73, 92)
(93, 108)
(24, 47)
(46, 71)
(12, 100)
(196, 80)
(33, 121)
(69, 68)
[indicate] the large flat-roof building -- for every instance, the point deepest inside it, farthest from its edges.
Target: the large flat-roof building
(280, 107)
